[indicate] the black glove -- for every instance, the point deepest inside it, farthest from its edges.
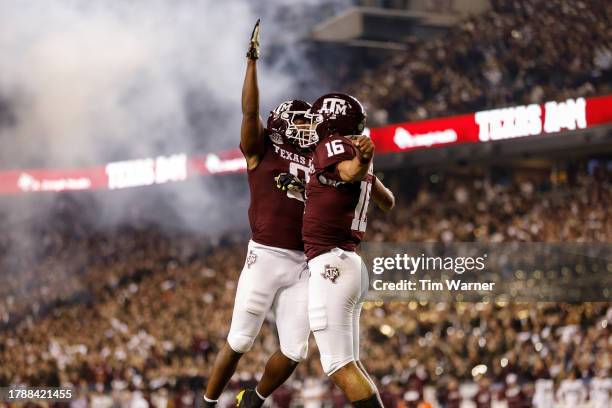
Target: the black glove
(253, 52)
(287, 181)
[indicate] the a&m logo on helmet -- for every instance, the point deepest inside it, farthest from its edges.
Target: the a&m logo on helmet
(333, 107)
(282, 107)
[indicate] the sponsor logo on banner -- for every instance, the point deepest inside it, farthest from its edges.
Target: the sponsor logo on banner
(214, 164)
(28, 183)
(404, 139)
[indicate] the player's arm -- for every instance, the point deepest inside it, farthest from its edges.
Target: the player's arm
(252, 129)
(356, 169)
(382, 196)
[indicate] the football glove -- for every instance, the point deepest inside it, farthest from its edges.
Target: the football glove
(253, 52)
(287, 181)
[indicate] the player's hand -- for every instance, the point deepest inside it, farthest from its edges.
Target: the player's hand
(253, 52)
(365, 147)
(287, 181)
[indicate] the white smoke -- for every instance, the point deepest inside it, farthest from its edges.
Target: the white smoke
(93, 79)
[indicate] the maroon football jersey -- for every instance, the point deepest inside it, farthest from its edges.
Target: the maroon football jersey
(335, 212)
(275, 215)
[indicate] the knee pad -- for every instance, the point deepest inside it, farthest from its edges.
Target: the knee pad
(317, 317)
(240, 343)
(247, 321)
(331, 361)
(331, 365)
(297, 352)
(257, 302)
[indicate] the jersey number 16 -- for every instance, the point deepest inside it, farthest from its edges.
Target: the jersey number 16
(334, 147)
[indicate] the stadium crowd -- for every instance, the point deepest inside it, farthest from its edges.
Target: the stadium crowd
(152, 308)
(134, 316)
(519, 52)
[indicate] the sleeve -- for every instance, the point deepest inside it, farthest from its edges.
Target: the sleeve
(332, 152)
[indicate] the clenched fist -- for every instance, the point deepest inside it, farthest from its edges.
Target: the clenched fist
(364, 146)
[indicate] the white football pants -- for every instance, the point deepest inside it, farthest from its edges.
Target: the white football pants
(337, 288)
(272, 279)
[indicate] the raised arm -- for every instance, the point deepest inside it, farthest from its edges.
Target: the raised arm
(382, 196)
(356, 169)
(252, 129)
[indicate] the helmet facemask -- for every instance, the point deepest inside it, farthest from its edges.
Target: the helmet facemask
(300, 131)
(308, 131)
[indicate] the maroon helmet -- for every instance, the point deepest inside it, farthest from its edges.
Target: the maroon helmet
(281, 121)
(335, 112)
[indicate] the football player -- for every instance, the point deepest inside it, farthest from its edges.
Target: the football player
(275, 274)
(339, 189)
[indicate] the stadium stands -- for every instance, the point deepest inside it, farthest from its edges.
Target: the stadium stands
(520, 52)
(138, 312)
(144, 309)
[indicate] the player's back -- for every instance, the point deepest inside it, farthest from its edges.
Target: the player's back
(275, 216)
(335, 212)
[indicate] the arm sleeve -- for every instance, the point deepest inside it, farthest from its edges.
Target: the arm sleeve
(327, 164)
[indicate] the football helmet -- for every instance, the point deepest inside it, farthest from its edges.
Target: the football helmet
(287, 120)
(331, 113)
